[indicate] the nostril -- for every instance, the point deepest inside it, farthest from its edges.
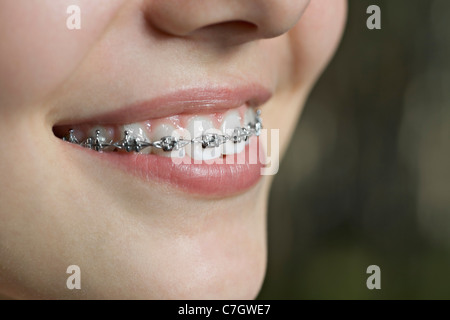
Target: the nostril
(237, 25)
(228, 30)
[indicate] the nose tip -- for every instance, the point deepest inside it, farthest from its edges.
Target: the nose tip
(242, 20)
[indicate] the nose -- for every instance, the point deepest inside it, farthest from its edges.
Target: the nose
(217, 20)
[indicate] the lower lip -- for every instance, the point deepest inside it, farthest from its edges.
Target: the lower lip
(208, 178)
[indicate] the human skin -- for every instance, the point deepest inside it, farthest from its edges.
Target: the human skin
(136, 238)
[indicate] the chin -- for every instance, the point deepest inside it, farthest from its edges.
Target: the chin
(221, 263)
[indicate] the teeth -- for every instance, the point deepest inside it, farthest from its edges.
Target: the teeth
(77, 134)
(198, 126)
(136, 130)
(105, 132)
(99, 138)
(231, 121)
(249, 117)
(200, 140)
(166, 130)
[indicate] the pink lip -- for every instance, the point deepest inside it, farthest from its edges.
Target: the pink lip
(196, 100)
(216, 179)
(208, 179)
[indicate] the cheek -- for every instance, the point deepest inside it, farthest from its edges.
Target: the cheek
(309, 47)
(38, 50)
(315, 38)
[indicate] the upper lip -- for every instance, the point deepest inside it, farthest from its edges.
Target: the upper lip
(193, 100)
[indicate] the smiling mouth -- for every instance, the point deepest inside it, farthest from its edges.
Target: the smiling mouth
(214, 153)
(199, 137)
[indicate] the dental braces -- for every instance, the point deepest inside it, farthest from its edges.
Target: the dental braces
(132, 143)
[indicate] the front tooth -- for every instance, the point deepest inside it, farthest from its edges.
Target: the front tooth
(165, 130)
(249, 117)
(197, 126)
(136, 130)
(232, 121)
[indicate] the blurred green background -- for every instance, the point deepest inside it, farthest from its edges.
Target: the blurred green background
(366, 179)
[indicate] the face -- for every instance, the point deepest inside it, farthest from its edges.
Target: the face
(153, 223)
